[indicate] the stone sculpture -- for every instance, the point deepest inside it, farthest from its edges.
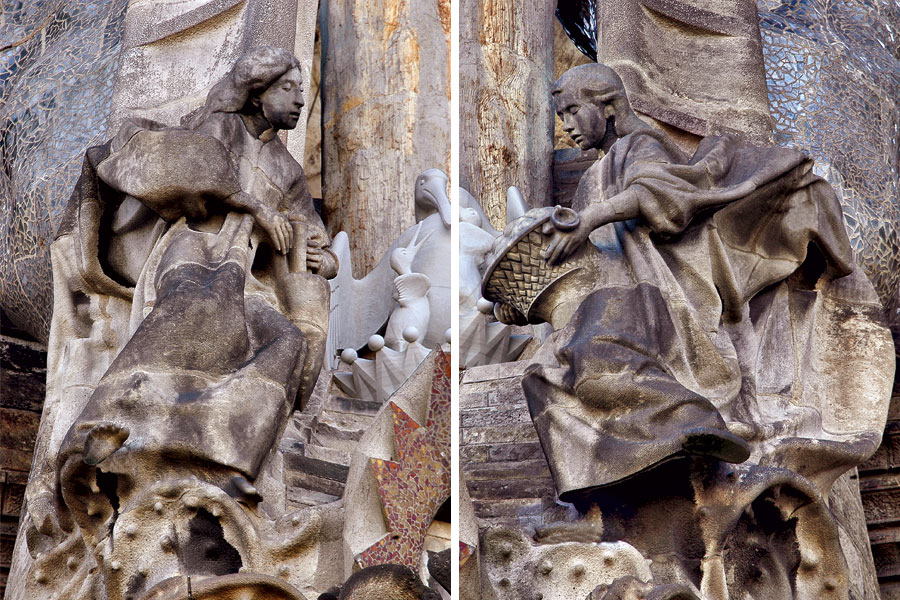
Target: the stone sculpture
(400, 473)
(482, 339)
(361, 307)
(718, 359)
(411, 294)
(190, 316)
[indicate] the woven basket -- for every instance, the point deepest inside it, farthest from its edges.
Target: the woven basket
(518, 274)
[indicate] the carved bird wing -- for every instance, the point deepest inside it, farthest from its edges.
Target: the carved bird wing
(411, 287)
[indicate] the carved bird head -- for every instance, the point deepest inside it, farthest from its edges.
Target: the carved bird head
(431, 196)
(402, 258)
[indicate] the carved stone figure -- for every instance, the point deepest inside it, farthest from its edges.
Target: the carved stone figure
(191, 311)
(411, 295)
(716, 318)
(363, 306)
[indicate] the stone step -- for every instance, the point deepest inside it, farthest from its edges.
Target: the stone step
(300, 497)
(356, 406)
(341, 426)
(332, 455)
(298, 462)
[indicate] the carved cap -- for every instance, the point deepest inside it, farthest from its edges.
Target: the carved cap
(594, 81)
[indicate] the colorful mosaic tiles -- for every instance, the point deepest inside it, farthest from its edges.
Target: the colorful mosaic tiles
(465, 552)
(414, 486)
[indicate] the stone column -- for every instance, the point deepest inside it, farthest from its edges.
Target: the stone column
(696, 68)
(386, 114)
(506, 122)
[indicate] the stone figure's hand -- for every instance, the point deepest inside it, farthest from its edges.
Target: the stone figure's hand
(509, 314)
(279, 229)
(314, 252)
(565, 243)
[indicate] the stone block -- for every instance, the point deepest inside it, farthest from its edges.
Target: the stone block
(23, 373)
(495, 372)
(882, 506)
(332, 455)
(517, 452)
(511, 488)
(304, 497)
(13, 497)
(305, 481)
(473, 399)
(508, 508)
(494, 416)
(352, 405)
(497, 435)
(529, 469)
(473, 454)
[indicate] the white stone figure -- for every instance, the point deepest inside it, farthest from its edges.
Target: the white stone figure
(467, 200)
(360, 307)
(515, 204)
(483, 340)
(410, 292)
(474, 244)
(377, 378)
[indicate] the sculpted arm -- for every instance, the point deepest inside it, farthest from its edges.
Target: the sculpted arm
(319, 257)
(621, 207)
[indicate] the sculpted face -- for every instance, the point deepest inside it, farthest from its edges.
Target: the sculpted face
(583, 121)
(282, 101)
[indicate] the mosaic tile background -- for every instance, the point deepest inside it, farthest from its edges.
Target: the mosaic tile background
(58, 61)
(414, 486)
(833, 73)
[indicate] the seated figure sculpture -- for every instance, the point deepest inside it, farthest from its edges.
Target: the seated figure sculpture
(691, 333)
(192, 259)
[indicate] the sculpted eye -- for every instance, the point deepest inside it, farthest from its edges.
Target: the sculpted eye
(574, 109)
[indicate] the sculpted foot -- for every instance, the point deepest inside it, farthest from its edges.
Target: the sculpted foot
(246, 491)
(103, 440)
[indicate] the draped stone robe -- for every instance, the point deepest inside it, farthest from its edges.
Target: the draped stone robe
(222, 341)
(669, 340)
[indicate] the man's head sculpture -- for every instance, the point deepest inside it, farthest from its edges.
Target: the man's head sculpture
(265, 80)
(589, 100)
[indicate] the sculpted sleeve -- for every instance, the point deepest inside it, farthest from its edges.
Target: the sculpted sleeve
(172, 171)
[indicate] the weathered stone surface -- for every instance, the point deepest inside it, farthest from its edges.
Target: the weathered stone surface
(506, 131)
(501, 460)
(108, 61)
(680, 347)
(23, 366)
(179, 352)
(656, 46)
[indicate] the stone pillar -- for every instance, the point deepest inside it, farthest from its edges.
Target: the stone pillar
(694, 67)
(506, 123)
(386, 115)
